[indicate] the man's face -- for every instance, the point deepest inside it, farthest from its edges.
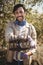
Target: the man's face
(20, 14)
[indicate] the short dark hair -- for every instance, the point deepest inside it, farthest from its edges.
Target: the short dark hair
(17, 6)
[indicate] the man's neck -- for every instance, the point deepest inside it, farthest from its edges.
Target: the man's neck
(20, 23)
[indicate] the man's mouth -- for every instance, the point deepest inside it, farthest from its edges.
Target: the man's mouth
(19, 17)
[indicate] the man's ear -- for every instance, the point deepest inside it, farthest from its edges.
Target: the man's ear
(25, 13)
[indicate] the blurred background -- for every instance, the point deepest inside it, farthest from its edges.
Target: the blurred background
(34, 15)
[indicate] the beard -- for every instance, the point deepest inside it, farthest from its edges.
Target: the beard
(20, 18)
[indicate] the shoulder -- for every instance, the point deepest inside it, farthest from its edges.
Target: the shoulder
(29, 25)
(10, 24)
(32, 26)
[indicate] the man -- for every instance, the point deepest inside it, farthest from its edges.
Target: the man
(20, 35)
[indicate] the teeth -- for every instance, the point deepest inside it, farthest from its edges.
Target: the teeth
(20, 17)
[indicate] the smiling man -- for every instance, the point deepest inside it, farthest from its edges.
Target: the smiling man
(22, 35)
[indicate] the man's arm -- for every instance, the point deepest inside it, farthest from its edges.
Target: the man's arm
(8, 32)
(33, 41)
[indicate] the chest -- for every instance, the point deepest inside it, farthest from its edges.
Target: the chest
(21, 31)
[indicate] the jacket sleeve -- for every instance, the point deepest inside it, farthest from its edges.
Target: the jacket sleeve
(8, 32)
(33, 40)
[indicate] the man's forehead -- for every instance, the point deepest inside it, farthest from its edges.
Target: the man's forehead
(20, 9)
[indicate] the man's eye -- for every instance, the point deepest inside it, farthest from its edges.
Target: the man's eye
(21, 12)
(16, 12)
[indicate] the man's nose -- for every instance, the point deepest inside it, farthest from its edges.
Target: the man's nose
(19, 14)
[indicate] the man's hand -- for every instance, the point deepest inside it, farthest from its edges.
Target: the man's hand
(24, 55)
(28, 53)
